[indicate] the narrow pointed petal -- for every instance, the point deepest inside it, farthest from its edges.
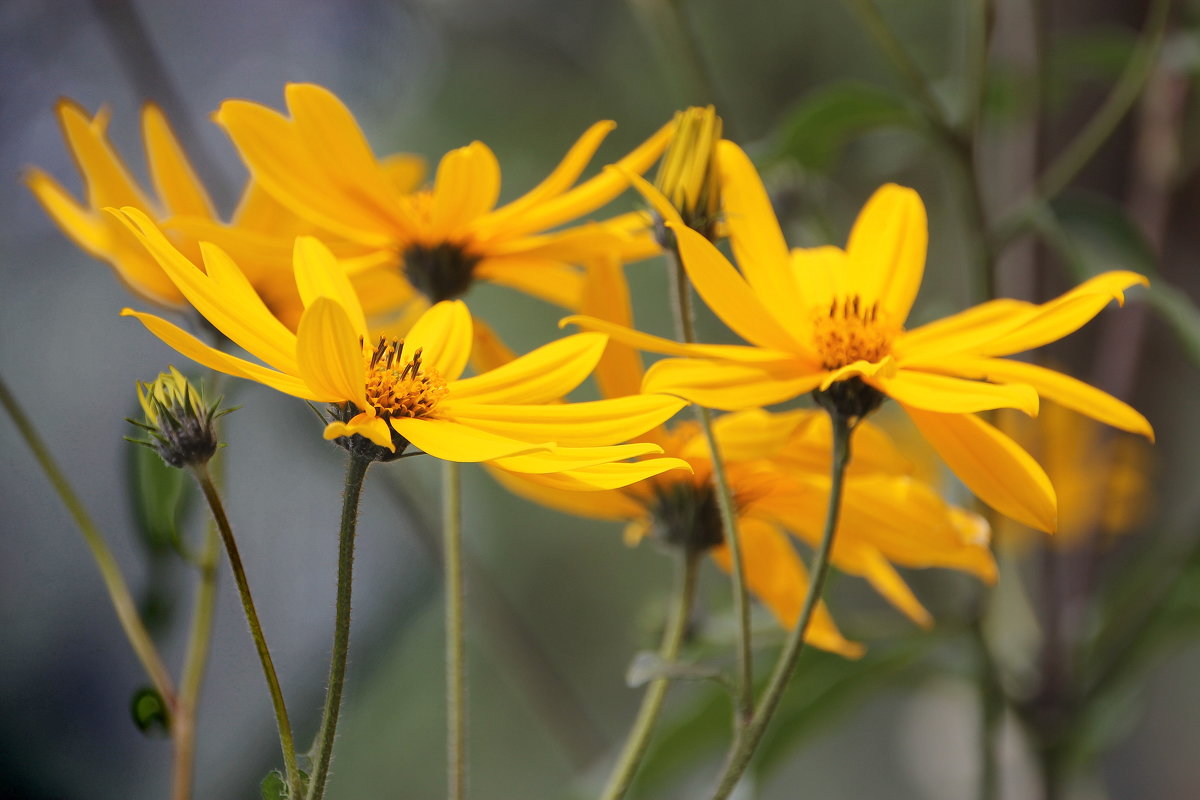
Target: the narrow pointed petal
(108, 182)
(963, 332)
(728, 294)
(467, 185)
(589, 424)
(180, 190)
(452, 441)
(330, 353)
(443, 335)
(619, 371)
(670, 347)
(887, 248)
(748, 435)
(606, 477)
(776, 576)
(887, 581)
(726, 385)
(949, 395)
(561, 458)
(540, 376)
(318, 274)
(1065, 314)
(992, 466)
(1056, 387)
(80, 224)
(212, 358)
(758, 243)
(613, 505)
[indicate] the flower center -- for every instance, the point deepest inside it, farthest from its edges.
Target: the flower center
(440, 272)
(686, 515)
(401, 389)
(850, 330)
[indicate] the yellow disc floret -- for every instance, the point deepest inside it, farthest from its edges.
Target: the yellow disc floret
(850, 330)
(398, 388)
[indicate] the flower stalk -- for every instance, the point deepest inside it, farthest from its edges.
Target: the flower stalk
(452, 563)
(638, 740)
(322, 749)
(750, 735)
(286, 742)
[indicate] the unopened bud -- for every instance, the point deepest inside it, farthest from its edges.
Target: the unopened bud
(180, 423)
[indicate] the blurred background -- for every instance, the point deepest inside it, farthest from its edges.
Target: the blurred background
(558, 606)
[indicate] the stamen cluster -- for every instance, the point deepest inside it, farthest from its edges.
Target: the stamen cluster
(397, 389)
(850, 331)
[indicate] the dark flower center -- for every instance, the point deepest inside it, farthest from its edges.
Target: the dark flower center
(441, 272)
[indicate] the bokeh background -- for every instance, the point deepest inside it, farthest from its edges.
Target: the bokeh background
(558, 606)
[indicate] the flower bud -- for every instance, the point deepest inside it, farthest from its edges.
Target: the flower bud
(687, 175)
(179, 422)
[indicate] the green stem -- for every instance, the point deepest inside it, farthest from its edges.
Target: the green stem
(744, 694)
(456, 728)
(356, 472)
(749, 737)
(199, 639)
(652, 701)
(114, 581)
(286, 743)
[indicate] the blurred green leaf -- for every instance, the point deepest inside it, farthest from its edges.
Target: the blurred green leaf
(1099, 55)
(819, 128)
(273, 787)
(149, 712)
(159, 495)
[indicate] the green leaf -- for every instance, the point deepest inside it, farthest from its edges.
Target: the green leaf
(149, 712)
(819, 128)
(159, 495)
(273, 787)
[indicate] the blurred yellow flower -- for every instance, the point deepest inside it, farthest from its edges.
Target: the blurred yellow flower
(390, 394)
(318, 164)
(831, 321)
(778, 468)
(259, 237)
(1102, 478)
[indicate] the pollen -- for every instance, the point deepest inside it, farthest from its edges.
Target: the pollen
(398, 388)
(849, 330)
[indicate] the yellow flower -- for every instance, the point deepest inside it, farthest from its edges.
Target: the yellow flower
(388, 394)
(687, 175)
(832, 321)
(318, 164)
(1102, 479)
(778, 468)
(259, 237)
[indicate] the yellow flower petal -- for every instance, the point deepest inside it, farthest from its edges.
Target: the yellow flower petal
(443, 335)
(823, 272)
(561, 458)
(329, 353)
(452, 441)
(174, 179)
(82, 225)
(948, 395)
(374, 429)
(619, 371)
(207, 356)
(727, 293)
(612, 505)
(467, 185)
(726, 385)
(1065, 314)
(108, 182)
(962, 332)
(318, 274)
(670, 347)
(540, 376)
(1054, 386)
(748, 435)
(992, 466)
(887, 248)
(885, 368)
(869, 563)
(548, 279)
(757, 241)
(595, 423)
(606, 477)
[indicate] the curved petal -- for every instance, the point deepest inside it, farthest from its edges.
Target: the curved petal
(318, 274)
(605, 477)
(948, 395)
(1054, 386)
(611, 505)
(443, 335)
(589, 424)
(884, 368)
(108, 182)
(374, 429)
(962, 332)
(330, 353)
(728, 386)
(563, 458)
(727, 293)
(174, 179)
(887, 247)
(869, 563)
(540, 376)
(670, 347)
(212, 358)
(551, 280)
(749, 435)
(466, 187)
(82, 225)
(992, 466)
(619, 371)
(452, 441)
